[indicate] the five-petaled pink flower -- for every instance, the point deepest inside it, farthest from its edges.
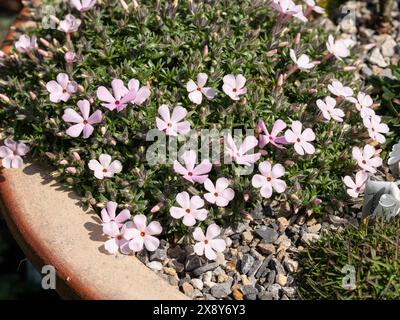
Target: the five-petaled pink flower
(117, 240)
(356, 187)
(69, 24)
(122, 95)
(83, 5)
(83, 123)
(268, 179)
(140, 234)
(104, 168)
(272, 137)
(191, 209)
(172, 124)
(329, 110)
(109, 217)
(26, 44)
(376, 128)
(303, 62)
(234, 86)
(339, 90)
(207, 244)
(12, 153)
(191, 172)
(240, 155)
(338, 48)
(196, 90)
(62, 89)
(365, 158)
(288, 9)
(219, 194)
(363, 104)
(300, 139)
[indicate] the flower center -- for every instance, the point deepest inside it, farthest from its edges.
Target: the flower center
(269, 178)
(198, 89)
(298, 140)
(358, 189)
(85, 122)
(119, 237)
(169, 125)
(190, 174)
(105, 170)
(65, 91)
(216, 194)
(234, 90)
(206, 241)
(187, 210)
(271, 138)
(117, 102)
(142, 234)
(364, 162)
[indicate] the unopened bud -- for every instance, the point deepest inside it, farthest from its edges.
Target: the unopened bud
(76, 156)
(71, 170)
(50, 155)
(157, 207)
(246, 197)
(4, 98)
(32, 95)
(45, 54)
(81, 89)
(280, 80)
(205, 50)
(271, 52)
(297, 39)
(45, 42)
(64, 162)
(103, 130)
(317, 201)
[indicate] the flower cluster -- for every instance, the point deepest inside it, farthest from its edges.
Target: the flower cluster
(86, 110)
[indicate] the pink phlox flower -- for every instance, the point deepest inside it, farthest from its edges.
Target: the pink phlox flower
(269, 180)
(339, 48)
(62, 89)
(83, 5)
(105, 168)
(220, 194)
(197, 90)
(140, 234)
(356, 187)
(191, 172)
(83, 122)
(234, 86)
(172, 125)
(109, 217)
(272, 137)
(26, 44)
(366, 158)
(117, 241)
(339, 90)
(208, 244)
(12, 153)
(69, 24)
(376, 128)
(363, 104)
(191, 209)
(240, 154)
(303, 62)
(300, 139)
(329, 110)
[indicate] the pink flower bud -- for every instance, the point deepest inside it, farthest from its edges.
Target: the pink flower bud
(246, 197)
(63, 162)
(71, 170)
(70, 57)
(125, 6)
(103, 130)
(289, 163)
(271, 52)
(44, 53)
(91, 100)
(280, 80)
(81, 88)
(205, 50)
(317, 201)
(32, 95)
(297, 39)
(45, 42)
(50, 155)
(54, 19)
(4, 98)
(157, 207)
(76, 156)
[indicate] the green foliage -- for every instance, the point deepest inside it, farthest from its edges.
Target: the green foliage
(167, 46)
(373, 250)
